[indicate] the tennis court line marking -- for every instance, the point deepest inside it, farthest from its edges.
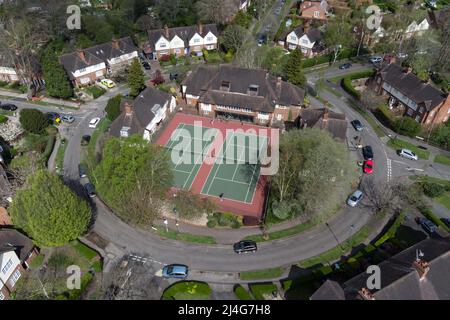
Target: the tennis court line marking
(251, 180)
(215, 173)
(196, 163)
(266, 145)
(178, 134)
(237, 164)
(228, 180)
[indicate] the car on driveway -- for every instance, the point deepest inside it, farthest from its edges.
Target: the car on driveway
(429, 226)
(90, 189)
(367, 153)
(82, 170)
(376, 59)
(67, 119)
(146, 65)
(9, 107)
(53, 115)
(108, 83)
(345, 66)
(357, 125)
(354, 198)
(245, 246)
(94, 122)
(175, 271)
(406, 153)
(368, 166)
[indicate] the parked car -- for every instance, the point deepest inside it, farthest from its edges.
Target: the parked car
(85, 140)
(146, 65)
(446, 221)
(108, 83)
(406, 153)
(354, 198)
(262, 39)
(368, 166)
(376, 59)
(357, 125)
(9, 107)
(53, 115)
(67, 119)
(402, 55)
(429, 226)
(94, 122)
(90, 189)
(82, 170)
(173, 76)
(367, 153)
(245, 246)
(345, 66)
(175, 271)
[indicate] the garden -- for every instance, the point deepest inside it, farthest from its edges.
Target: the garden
(187, 290)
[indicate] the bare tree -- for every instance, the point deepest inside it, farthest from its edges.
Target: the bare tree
(217, 11)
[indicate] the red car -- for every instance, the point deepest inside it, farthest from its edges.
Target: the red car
(368, 166)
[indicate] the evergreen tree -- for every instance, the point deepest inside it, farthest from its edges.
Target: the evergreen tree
(57, 83)
(136, 80)
(293, 68)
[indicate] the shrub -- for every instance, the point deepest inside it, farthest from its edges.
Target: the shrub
(228, 56)
(95, 91)
(346, 84)
(432, 189)
(48, 149)
(113, 107)
(3, 84)
(3, 119)
(33, 120)
(407, 126)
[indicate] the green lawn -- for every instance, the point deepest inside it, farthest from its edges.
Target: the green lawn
(37, 261)
(444, 200)
(283, 233)
(335, 253)
(186, 237)
(102, 127)
(399, 144)
(258, 290)
(84, 250)
(188, 290)
(442, 159)
(262, 274)
(242, 294)
(60, 155)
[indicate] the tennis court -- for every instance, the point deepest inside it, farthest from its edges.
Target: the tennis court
(186, 171)
(235, 173)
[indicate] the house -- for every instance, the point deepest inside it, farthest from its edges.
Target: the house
(11, 71)
(418, 99)
(439, 17)
(334, 123)
(182, 40)
(308, 40)
(144, 114)
(417, 29)
(88, 65)
(16, 253)
(314, 10)
(243, 94)
(414, 29)
(417, 273)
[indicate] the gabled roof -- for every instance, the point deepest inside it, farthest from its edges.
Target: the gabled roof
(184, 33)
(324, 119)
(313, 34)
(73, 61)
(206, 83)
(13, 240)
(142, 113)
(412, 87)
(329, 290)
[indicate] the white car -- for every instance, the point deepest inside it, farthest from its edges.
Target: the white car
(354, 198)
(402, 55)
(376, 59)
(406, 153)
(94, 122)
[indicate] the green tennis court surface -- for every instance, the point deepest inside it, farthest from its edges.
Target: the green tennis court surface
(235, 173)
(184, 173)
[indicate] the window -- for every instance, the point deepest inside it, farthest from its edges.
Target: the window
(225, 86)
(196, 40)
(253, 90)
(82, 70)
(293, 38)
(279, 116)
(7, 266)
(209, 39)
(162, 45)
(124, 132)
(316, 14)
(16, 275)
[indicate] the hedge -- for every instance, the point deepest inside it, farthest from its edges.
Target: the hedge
(48, 149)
(390, 233)
(242, 294)
(3, 119)
(346, 82)
(434, 218)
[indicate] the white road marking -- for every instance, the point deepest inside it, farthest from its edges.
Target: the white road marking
(389, 169)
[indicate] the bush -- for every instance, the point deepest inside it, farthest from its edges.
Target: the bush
(95, 91)
(228, 56)
(407, 126)
(3, 84)
(33, 120)
(48, 149)
(113, 107)
(225, 219)
(432, 190)
(346, 84)
(3, 119)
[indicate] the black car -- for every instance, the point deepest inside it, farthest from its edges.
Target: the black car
(82, 170)
(429, 226)
(245, 246)
(367, 153)
(173, 76)
(262, 39)
(53, 115)
(146, 65)
(357, 125)
(85, 140)
(345, 66)
(8, 106)
(446, 221)
(90, 189)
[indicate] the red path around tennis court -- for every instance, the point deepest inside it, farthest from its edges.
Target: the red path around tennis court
(254, 209)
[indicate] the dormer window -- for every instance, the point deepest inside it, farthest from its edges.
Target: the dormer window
(225, 86)
(253, 90)
(124, 132)
(316, 14)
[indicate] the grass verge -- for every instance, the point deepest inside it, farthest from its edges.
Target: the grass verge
(399, 144)
(188, 290)
(242, 294)
(261, 274)
(283, 233)
(186, 237)
(259, 290)
(442, 159)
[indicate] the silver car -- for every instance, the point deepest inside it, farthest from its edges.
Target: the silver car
(354, 198)
(68, 119)
(406, 153)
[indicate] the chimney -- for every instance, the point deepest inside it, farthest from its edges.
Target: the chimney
(393, 59)
(128, 109)
(279, 83)
(325, 115)
(115, 43)
(422, 267)
(166, 32)
(306, 26)
(200, 28)
(81, 55)
(365, 294)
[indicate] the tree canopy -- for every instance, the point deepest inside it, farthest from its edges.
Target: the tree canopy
(33, 120)
(49, 212)
(113, 107)
(293, 68)
(57, 83)
(133, 178)
(136, 80)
